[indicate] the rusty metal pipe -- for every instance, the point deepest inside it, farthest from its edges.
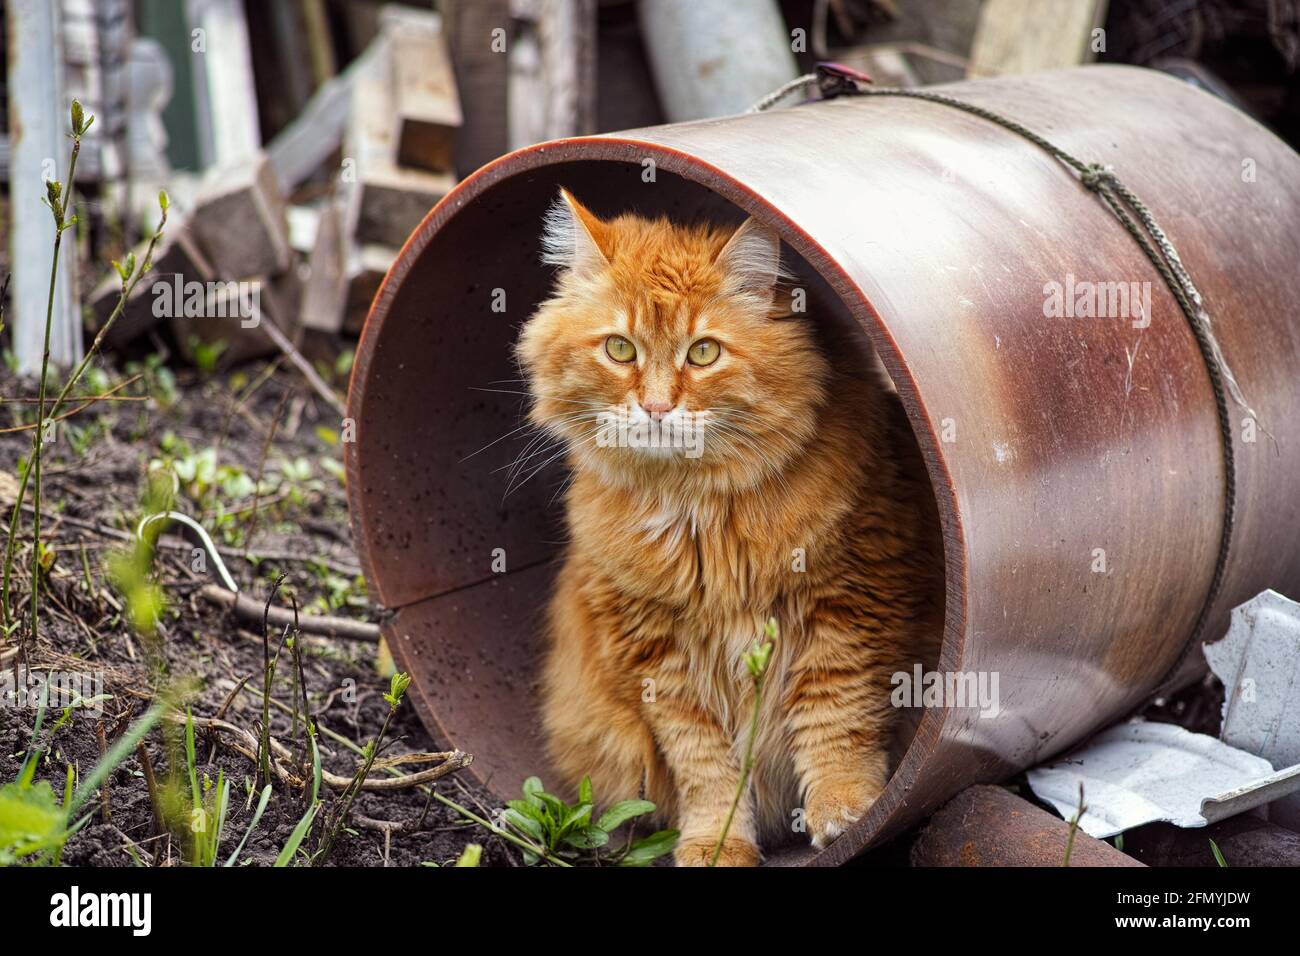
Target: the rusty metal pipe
(990, 826)
(1076, 462)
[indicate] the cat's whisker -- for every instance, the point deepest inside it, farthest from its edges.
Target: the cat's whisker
(527, 453)
(564, 449)
(740, 414)
(580, 449)
(540, 395)
(537, 444)
(514, 431)
(514, 482)
(540, 439)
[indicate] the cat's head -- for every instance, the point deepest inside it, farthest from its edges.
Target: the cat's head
(666, 349)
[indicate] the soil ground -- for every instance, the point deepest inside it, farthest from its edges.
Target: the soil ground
(216, 431)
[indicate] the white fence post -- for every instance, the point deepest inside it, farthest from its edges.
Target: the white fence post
(39, 148)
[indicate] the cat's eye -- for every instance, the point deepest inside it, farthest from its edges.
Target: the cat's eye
(620, 349)
(704, 352)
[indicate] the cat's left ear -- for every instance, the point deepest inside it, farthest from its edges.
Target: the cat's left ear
(573, 238)
(751, 260)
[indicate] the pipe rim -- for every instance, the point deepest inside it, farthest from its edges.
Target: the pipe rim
(882, 819)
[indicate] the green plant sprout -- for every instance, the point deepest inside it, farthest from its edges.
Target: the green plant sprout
(301, 831)
(252, 824)
(342, 806)
(1218, 854)
(60, 204)
(756, 662)
(471, 855)
(34, 825)
(571, 832)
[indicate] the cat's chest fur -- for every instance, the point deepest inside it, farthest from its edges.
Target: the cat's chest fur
(711, 560)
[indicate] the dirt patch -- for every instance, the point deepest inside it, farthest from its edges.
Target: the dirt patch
(216, 434)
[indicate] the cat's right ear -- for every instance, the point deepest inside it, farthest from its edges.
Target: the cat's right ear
(572, 237)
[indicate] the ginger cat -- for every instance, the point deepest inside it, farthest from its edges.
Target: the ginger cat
(725, 470)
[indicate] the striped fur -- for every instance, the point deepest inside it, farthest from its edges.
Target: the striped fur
(673, 564)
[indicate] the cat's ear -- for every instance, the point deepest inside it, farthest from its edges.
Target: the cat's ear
(751, 260)
(572, 237)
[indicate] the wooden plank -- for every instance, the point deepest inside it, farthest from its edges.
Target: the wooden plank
(1022, 36)
(176, 254)
(342, 279)
(324, 291)
(305, 144)
(384, 201)
(363, 272)
(481, 77)
(300, 148)
(38, 122)
(221, 320)
(221, 54)
(428, 111)
(552, 82)
(390, 202)
(239, 221)
(566, 30)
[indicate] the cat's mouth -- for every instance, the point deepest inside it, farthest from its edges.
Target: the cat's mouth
(677, 434)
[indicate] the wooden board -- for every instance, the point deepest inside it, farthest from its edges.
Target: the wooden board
(239, 221)
(480, 78)
(229, 133)
(383, 200)
(428, 111)
(38, 122)
(324, 290)
(1023, 36)
(176, 254)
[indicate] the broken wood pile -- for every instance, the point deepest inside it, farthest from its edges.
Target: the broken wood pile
(397, 142)
(300, 233)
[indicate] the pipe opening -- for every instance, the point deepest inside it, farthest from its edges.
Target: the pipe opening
(469, 567)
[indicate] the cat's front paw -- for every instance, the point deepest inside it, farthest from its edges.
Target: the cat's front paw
(698, 851)
(834, 807)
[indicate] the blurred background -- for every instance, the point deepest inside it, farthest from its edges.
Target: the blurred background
(302, 140)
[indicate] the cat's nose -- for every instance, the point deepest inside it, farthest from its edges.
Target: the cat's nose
(653, 407)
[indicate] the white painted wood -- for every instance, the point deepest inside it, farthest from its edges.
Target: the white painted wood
(223, 82)
(715, 57)
(552, 80)
(38, 122)
(566, 31)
